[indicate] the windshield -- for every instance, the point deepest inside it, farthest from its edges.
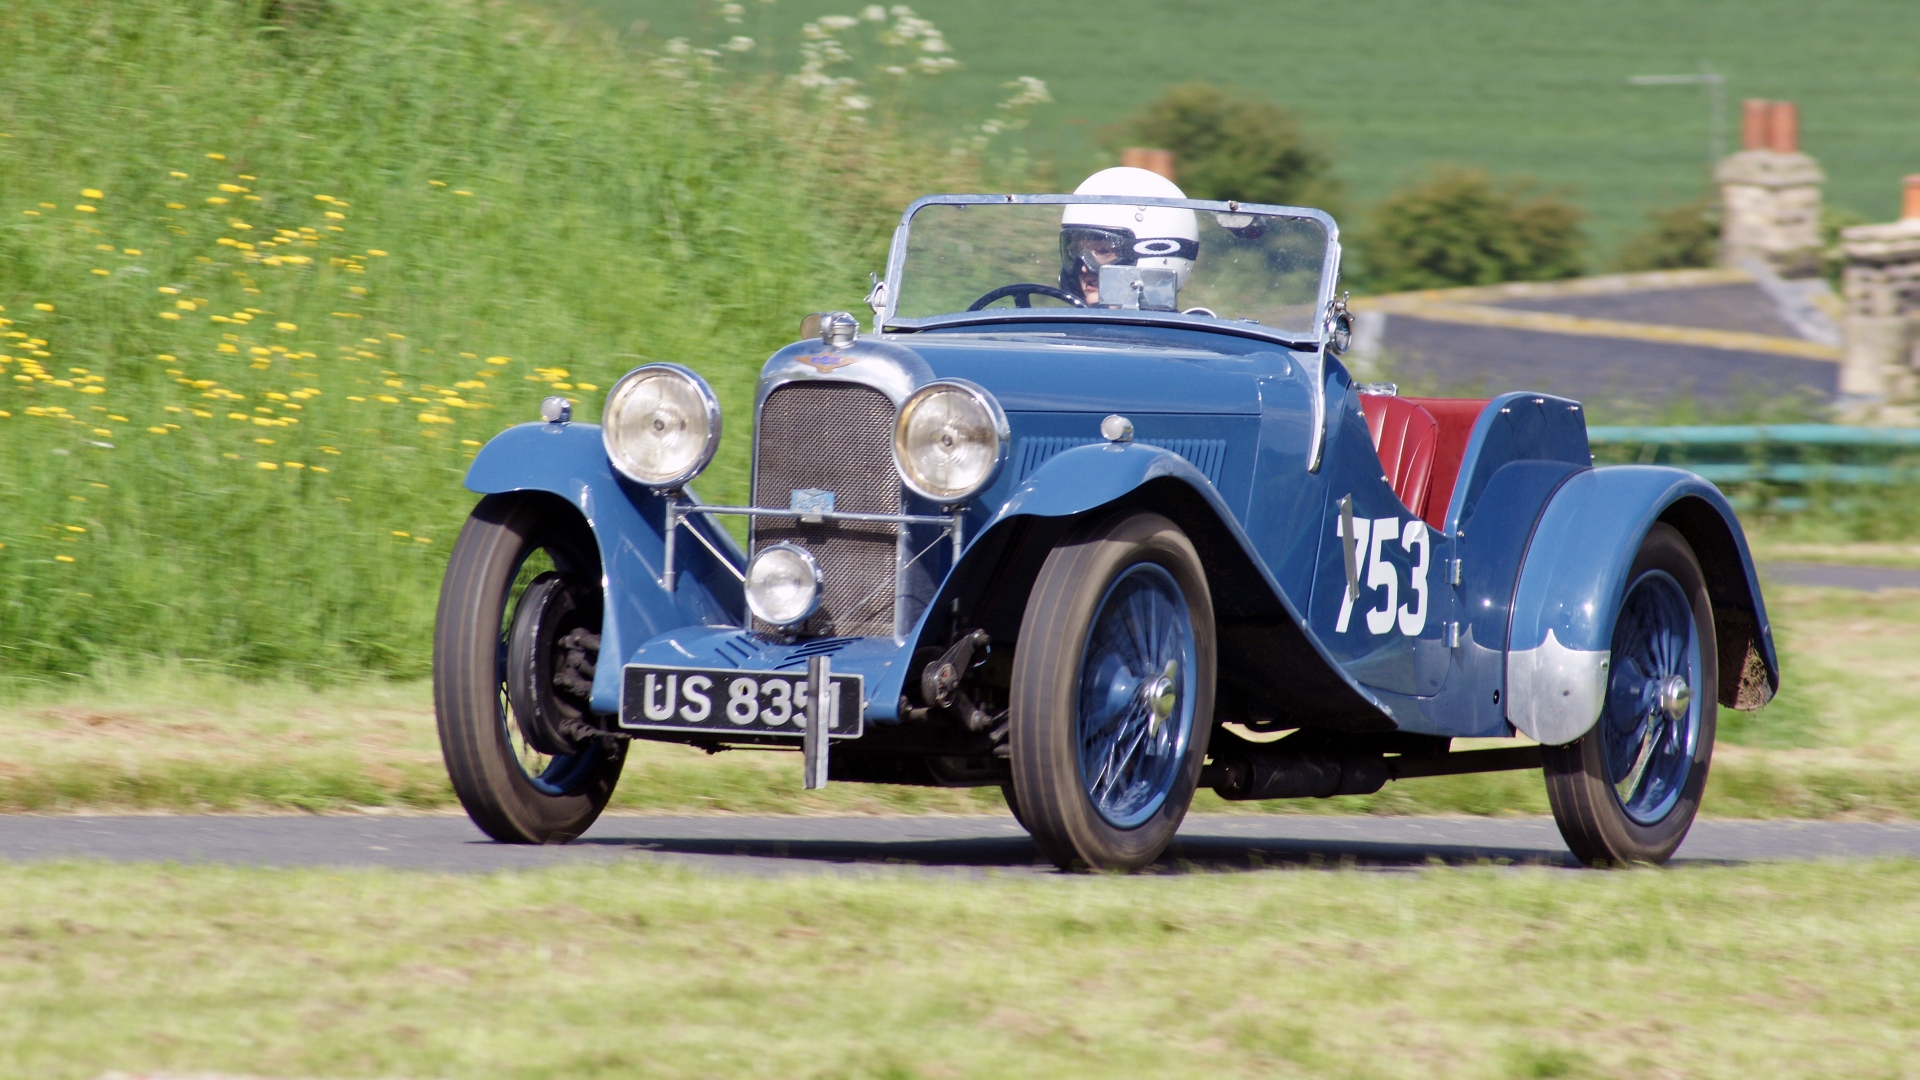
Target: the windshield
(1180, 257)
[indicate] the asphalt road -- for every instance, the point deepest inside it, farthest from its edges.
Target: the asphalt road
(1861, 578)
(775, 845)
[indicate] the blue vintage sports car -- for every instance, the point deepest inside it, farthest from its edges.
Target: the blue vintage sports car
(1096, 515)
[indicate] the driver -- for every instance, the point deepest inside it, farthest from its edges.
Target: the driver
(1150, 237)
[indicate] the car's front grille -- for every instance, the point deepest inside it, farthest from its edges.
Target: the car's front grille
(838, 437)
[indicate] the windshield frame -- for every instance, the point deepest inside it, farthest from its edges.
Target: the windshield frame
(887, 291)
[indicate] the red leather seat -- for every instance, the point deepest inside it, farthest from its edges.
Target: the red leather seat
(1406, 436)
(1455, 417)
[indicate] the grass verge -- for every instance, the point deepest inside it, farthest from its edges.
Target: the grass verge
(1839, 742)
(1759, 971)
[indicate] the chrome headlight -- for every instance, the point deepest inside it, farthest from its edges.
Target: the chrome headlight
(783, 584)
(949, 440)
(661, 425)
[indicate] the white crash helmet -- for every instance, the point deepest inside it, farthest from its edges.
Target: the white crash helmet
(1155, 237)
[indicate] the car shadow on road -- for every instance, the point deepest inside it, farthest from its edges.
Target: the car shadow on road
(1190, 854)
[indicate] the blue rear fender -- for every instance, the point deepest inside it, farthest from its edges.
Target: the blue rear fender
(1265, 645)
(568, 460)
(1575, 571)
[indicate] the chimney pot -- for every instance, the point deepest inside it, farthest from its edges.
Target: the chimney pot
(1783, 127)
(1140, 157)
(1910, 201)
(1753, 124)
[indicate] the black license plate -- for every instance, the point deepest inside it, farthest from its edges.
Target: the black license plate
(733, 701)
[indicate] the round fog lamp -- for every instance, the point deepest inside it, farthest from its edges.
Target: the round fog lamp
(949, 440)
(783, 585)
(661, 425)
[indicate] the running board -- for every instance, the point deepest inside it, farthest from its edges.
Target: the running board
(1505, 759)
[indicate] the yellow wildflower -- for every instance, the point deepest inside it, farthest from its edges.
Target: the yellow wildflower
(177, 175)
(170, 315)
(43, 307)
(158, 430)
(74, 529)
(63, 558)
(217, 200)
(216, 157)
(176, 206)
(232, 189)
(238, 416)
(463, 192)
(397, 532)
(84, 208)
(266, 465)
(92, 193)
(102, 273)
(294, 465)
(131, 251)
(285, 326)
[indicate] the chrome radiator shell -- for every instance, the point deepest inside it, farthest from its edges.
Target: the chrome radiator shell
(823, 420)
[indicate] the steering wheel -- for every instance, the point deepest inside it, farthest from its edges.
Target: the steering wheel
(1023, 294)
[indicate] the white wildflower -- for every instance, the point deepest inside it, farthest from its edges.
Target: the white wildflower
(874, 13)
(733, 13)
(838, 22)
(739, 44)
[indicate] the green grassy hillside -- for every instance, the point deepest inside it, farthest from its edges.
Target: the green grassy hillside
(271, 270)
(1534, 87)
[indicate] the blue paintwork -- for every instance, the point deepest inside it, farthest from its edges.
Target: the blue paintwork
(1585, 542)
(1237, 410)
(569, 460)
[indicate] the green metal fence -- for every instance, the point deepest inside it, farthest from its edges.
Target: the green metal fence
(1785, 454)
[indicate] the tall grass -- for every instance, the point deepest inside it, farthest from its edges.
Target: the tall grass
(272, 270)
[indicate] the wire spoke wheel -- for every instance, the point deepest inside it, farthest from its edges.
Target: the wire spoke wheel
(1135, 710)
(1627, 791)
(1112, 696)
(1652, 718)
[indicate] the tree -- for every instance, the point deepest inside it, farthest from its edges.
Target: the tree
(1460, 227)
(1232, 145)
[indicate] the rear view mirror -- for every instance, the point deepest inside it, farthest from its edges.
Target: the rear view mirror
(1135, 288)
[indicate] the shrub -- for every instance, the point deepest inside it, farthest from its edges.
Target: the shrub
(1676, 238)
(270, 271)
(1461, 227)
(1231, 145)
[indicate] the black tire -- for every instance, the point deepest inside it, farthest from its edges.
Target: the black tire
(471, 673)
(1053, 800)
(1587, 805)
(1013, 805)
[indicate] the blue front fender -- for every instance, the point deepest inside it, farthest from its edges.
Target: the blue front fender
(1269, 640)
(1571, 583)
(628, 522)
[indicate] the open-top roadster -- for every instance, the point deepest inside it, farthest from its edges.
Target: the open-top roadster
(1097, 516)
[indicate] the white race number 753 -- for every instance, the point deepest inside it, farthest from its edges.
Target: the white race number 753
(1369, 536)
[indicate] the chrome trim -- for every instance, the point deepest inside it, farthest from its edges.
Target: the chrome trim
(1002, 433)
(707, 398)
